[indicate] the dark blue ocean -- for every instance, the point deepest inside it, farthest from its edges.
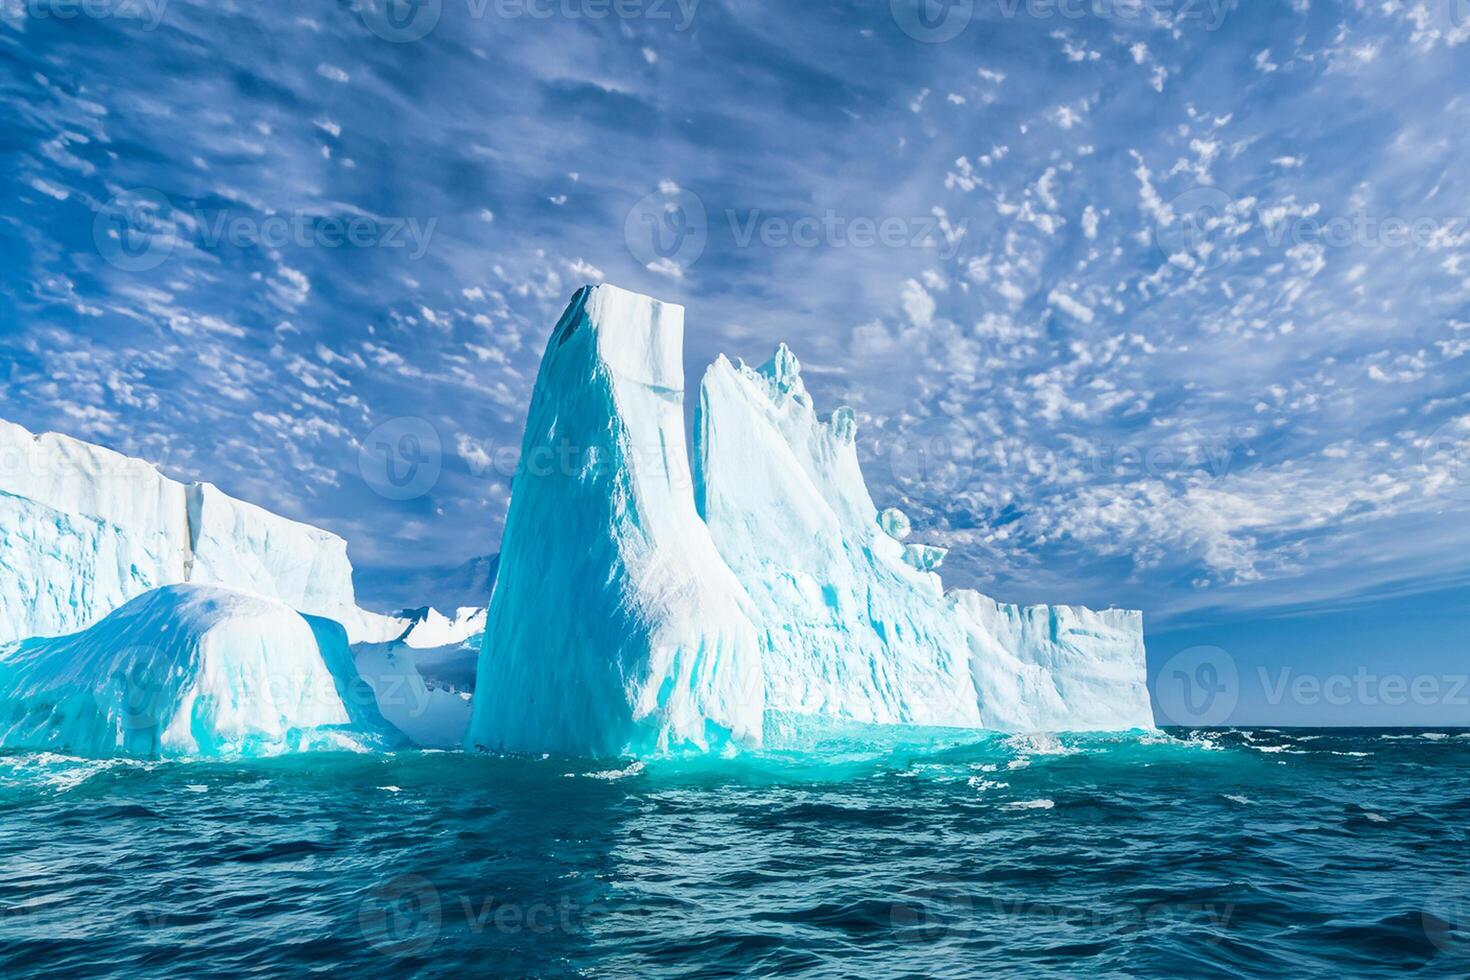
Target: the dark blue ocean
(1211, 854)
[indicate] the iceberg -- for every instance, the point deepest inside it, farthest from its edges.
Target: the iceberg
(636, 611)
(1093, 661)
(641, 603)
(847, 628)
(241, 546)
(428, 628)
(615, 628)
(84, 529)
(856, 625)
(190, 670)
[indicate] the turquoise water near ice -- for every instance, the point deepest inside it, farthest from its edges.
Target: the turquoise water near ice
(1215, 854)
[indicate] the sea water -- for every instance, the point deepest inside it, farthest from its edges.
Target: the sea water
(1183, 853)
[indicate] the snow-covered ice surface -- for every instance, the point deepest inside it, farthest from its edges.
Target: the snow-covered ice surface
(190, 670)
(84, 529)
(1092, 659)
(614, 626)
(429, 628)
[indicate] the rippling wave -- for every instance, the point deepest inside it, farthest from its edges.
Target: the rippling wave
(1224, 853)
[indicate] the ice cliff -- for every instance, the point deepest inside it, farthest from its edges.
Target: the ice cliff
(639, 607)
(846, 627)
(190, 670)
(84, 529)
(856, 624)
(614, 627)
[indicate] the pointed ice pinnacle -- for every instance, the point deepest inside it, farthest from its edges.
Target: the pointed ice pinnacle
(614, 627)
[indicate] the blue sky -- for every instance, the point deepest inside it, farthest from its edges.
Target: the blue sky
(1160, 305)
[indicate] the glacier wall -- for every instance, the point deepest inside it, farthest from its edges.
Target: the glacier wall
(190, 670)
(614, 626)
(84, 529)
(1089, 664)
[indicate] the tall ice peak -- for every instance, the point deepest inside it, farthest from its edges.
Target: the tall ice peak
(614, 627)
(638, 337)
